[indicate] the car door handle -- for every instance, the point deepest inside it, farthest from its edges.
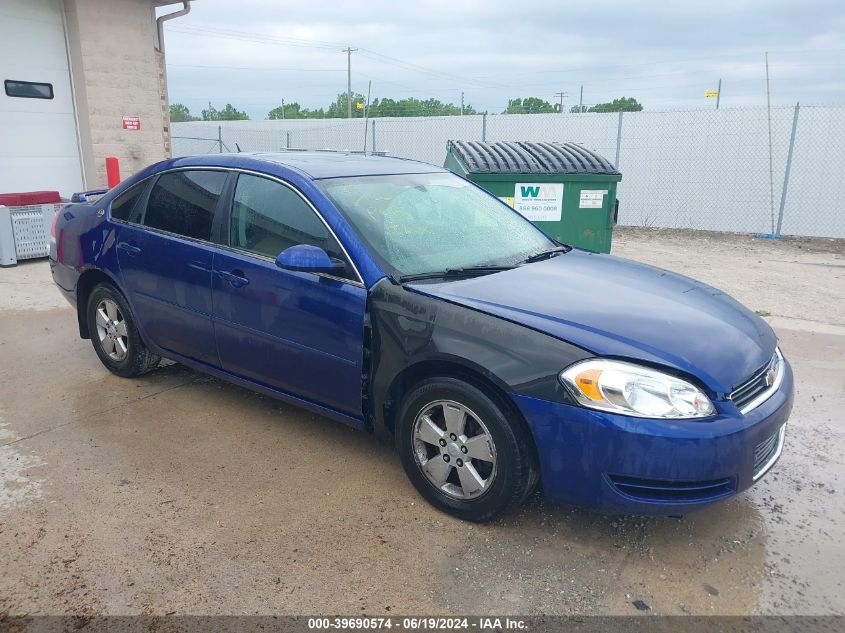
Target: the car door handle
(235, 278)
(129, 249)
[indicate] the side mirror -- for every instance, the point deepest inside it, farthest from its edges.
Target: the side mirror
(309, 259)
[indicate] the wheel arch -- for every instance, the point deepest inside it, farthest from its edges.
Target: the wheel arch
(86, 283)
(446, 367)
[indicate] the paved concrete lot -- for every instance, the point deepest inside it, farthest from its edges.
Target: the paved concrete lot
(180, 493)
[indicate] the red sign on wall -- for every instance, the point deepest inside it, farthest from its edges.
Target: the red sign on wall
(131, 123)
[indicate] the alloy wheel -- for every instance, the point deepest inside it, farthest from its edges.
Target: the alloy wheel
(454, 449)
(111, 330)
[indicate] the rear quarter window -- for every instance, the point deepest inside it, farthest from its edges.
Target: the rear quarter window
(125, 203)
(183, 203)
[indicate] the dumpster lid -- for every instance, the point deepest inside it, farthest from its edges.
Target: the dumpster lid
(506, 157)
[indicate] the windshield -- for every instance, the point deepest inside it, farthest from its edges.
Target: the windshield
(425, 223)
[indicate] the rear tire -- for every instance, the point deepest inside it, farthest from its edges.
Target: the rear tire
(464, 451)
(115, 336)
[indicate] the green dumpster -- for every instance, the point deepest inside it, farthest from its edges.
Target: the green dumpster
(565, 189)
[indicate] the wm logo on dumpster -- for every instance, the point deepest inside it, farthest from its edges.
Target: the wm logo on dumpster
(537, 191)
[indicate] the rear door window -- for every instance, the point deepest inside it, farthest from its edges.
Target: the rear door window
(183, 203)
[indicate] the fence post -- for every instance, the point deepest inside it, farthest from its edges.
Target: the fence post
(483, 127)
(374, 137)
(788, 167)
(618, 139)
(220, 137)
(287, 139)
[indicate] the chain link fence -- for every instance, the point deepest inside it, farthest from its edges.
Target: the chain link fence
(705, 169)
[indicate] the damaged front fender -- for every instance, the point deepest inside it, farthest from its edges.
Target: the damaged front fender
(413, 336)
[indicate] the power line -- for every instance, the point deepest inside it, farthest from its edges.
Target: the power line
(254, 37)
(477, 81)
(749, 53)
(292, 41)
(264, 68)
(423, 69)
(606, 80)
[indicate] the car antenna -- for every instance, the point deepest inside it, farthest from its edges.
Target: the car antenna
(238, 147)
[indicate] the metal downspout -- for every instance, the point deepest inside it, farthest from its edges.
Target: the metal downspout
(185, 10)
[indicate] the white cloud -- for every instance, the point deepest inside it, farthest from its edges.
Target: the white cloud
(665, 55)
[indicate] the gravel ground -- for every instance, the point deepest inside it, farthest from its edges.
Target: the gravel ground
(178, 493)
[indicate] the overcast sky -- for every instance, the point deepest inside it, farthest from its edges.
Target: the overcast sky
(254, 53)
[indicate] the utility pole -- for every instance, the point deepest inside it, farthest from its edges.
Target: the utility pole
(349, 50)
(462, 102)
(283, 109)
(581, 100)
(561, 94)
(718, 92)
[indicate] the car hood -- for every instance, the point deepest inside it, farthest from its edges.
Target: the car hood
(618, 308)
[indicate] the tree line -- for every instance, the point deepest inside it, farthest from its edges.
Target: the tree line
(387, 107)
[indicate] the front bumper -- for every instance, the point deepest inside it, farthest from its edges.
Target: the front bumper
(643, 466)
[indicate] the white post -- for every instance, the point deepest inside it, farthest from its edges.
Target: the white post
(8, 257)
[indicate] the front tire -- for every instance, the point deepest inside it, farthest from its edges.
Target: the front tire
(464, 451)
(115, 336)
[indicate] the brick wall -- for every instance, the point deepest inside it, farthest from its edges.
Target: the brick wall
(117, 72)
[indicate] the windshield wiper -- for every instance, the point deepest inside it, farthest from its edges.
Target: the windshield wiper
(452, 273)
(536, 257)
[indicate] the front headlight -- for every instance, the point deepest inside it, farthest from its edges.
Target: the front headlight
(628, 389)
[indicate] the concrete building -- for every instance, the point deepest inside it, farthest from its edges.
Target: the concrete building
(83, 80)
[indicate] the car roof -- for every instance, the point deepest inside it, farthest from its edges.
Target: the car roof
(318, 164)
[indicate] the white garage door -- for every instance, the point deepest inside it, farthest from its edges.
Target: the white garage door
(38, 144)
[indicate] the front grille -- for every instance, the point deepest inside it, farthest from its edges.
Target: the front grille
(672, 491)
(760, 382)
(766, 452)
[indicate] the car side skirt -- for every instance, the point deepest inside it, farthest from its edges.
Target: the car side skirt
(354, 422)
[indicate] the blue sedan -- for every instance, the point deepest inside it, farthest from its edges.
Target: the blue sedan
(405, 301)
